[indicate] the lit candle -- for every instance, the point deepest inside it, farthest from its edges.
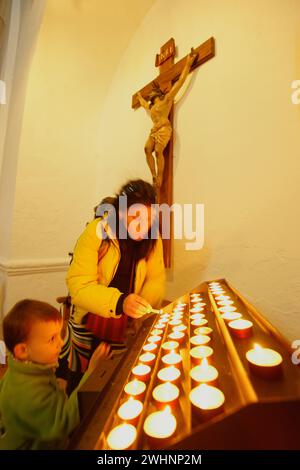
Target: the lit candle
(199, 305)
(169, 374)
(135, 388)
(241, 328)
(142, 372)
(197, 315)
(130, 410)
(160, 425)
(177, 336)
(180, 311)
(172, 359)
(156, 332)
(177, 316)
(203, 330)
(196, 300)
(150, 347)
(204, 373)
(230, 316)
(154, 339)
(165, 394)
(199, 322)
(170, 346)
(179, 328)
(147, 358)
(198, 353)
(229, 308)
(175, 322)
(207, 400)
(225, 303)
(164, 317)
(121, 437)
(264, 362)
(162, 321)
(197, 310)
(222, 297)
(160, 326)
(200, 340)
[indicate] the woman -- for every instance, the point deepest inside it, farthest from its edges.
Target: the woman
(117, 272)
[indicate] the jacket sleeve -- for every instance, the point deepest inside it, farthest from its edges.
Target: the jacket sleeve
(82, 278)
(51, 415)
(154, 286)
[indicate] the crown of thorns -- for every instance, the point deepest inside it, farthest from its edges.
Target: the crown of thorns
(156, 91)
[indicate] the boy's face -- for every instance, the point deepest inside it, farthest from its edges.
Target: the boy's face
(44, 342)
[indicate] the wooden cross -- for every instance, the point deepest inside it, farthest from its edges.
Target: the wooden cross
(169, 73)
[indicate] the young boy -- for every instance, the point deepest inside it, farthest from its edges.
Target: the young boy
(34, 412)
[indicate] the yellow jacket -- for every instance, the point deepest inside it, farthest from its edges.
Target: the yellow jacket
(88, 278)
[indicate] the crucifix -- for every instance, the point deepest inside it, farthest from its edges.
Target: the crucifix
(157, 98)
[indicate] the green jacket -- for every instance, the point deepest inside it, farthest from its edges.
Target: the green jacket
(34, 412)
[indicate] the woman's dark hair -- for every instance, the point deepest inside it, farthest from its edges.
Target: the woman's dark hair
(137, 192)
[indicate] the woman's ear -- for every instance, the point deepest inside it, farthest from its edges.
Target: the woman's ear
(20, 351)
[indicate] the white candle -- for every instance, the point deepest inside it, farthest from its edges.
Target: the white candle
(200, 352)
(179, 328)
(207, 397)
(241, 328)
(264, 362)
(130, 409)
(165, 394)
(175, 322)
(222, 297)
(203, 330)
(229, 308)
(160, 424)
(199, 322)
(225, 303)
(204, 373)
(135, 388)
(172, 358)
(170, 345)
(141, 371)
(149, 347)
(199, 340)
(156, 332)
(154, 339)
(147, 358)
(195, 316)
(169, 374)
(177, 336)
(229, 316)
(197, 310)
(121, 437)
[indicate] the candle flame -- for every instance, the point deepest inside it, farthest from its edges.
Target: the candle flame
(257, 347)
(204, 363)
(167, 410)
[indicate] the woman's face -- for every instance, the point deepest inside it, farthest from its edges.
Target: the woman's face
(139, 220)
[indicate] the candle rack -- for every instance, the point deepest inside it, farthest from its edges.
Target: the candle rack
(258, 413)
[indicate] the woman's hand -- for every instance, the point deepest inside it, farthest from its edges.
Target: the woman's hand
(135, 306)
(100, 352)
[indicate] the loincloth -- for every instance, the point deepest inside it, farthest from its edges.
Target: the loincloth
(162, 135)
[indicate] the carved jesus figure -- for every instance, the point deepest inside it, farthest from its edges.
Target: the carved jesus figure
(159, 107)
